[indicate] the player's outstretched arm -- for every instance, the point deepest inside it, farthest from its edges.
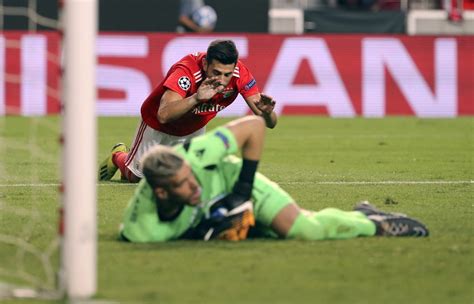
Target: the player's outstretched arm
(263, 105)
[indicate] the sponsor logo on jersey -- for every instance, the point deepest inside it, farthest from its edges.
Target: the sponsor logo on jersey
(184, 83)
(209, 108)
(249, 85)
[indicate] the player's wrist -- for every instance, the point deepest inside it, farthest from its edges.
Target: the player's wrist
(243, 186)
(193, 100)
(241, 191)
(197, 100)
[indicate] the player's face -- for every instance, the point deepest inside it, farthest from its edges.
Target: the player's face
(223, 72)
(183, 187)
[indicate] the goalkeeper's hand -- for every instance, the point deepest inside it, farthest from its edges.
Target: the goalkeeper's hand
(230, 218)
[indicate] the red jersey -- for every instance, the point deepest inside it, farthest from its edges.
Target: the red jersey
(185, 77)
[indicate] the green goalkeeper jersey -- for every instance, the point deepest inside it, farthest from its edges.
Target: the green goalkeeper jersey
(216, 170)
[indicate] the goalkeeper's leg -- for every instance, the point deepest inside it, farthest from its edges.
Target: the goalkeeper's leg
(276, 209)
(331, 223)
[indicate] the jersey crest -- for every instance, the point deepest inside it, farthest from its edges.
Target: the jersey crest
(227, 93)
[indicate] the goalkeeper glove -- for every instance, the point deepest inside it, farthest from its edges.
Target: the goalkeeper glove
(229, 218)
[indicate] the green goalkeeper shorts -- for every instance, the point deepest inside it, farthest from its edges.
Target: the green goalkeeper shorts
(269, 199)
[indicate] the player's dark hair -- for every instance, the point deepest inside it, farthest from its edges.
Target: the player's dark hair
(223, 51)
(159, 164)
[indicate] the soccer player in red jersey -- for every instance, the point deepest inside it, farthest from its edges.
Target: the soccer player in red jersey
(194, 90)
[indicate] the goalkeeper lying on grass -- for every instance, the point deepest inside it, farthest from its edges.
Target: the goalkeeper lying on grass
(199, 190)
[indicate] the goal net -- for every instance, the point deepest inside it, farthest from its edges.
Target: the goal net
(47, 210)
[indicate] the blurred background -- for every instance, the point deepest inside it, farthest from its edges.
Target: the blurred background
(315, 57)
(264, 16)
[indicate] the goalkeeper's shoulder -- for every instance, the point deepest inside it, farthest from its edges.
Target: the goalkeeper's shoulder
(209, 148)
(223, 136)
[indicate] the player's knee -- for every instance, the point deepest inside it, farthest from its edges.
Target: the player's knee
(285, 219)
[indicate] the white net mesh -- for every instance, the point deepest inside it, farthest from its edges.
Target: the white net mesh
(29, 153)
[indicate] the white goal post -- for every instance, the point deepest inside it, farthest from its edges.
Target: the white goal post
(78, 275)
(31, 256)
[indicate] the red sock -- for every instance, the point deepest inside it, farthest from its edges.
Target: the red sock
(119, 159)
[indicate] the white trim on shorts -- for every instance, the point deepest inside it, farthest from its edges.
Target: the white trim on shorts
(147, 137)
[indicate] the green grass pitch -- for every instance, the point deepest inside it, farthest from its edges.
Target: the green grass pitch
(425, 167)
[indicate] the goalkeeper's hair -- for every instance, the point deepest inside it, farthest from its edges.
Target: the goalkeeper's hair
(159, 164)
(223, 51)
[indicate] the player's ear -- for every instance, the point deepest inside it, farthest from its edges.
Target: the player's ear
(204, 63)
(161, 193)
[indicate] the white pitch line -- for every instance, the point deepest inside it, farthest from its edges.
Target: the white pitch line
(281, 183)
(382, 183)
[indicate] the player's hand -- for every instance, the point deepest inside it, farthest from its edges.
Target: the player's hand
(240, 221)
(230, 218)
(266, 104)
(208, 88)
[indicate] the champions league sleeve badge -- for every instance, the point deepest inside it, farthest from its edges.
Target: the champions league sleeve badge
(184, 83)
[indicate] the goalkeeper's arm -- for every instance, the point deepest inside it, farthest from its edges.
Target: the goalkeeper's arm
(237, 215)
(249, 133)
